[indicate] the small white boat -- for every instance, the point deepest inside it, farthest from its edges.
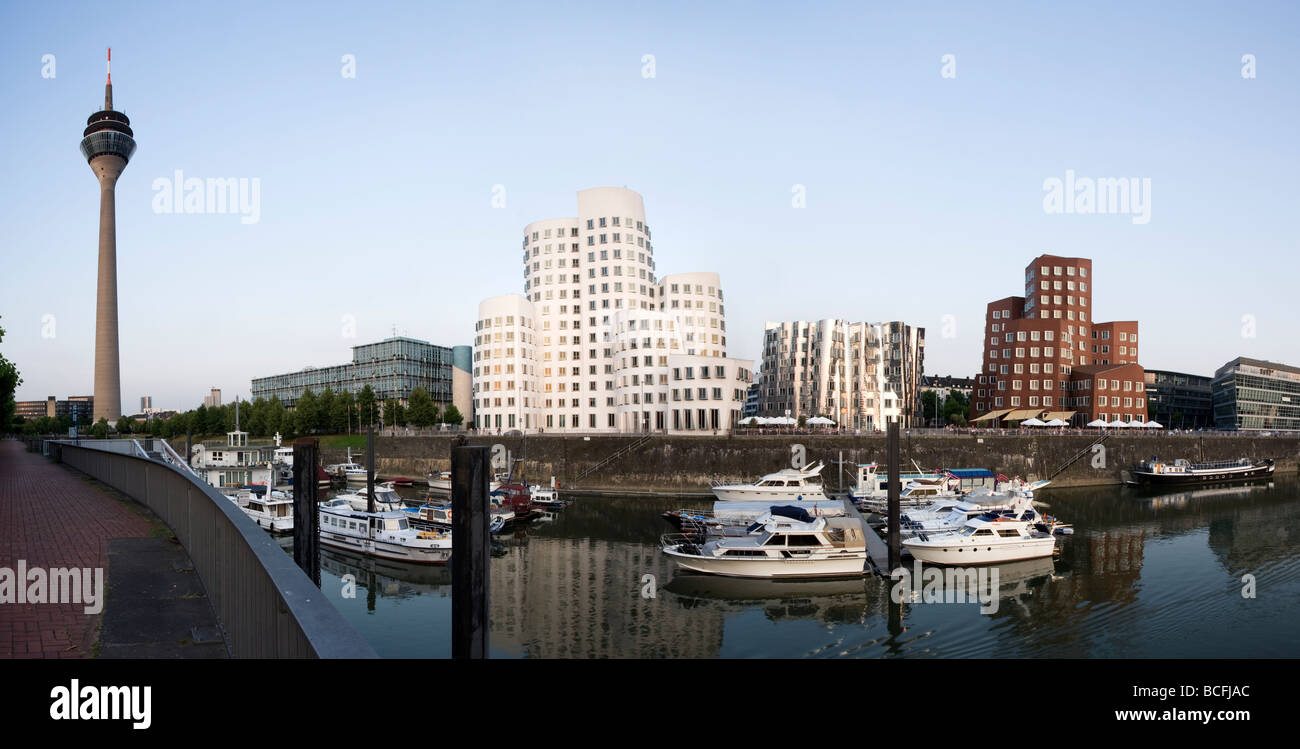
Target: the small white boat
(546, 496)
(387, 535)
(983, 540)
(872, 484)
(911, 495)
(439, 515)
(777, 547)
(1010, 490)
(386, 499)
(274, 513)
(945, 516)
(440, 482)
(786, 485)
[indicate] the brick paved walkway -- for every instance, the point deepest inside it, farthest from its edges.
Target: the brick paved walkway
(53, 517)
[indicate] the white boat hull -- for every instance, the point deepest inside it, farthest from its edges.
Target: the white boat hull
(933, 552)
(419, 555)
(761, 494)
(848, 564)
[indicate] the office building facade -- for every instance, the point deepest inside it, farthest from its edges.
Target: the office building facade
(1257, 395)
(598, 342)
(859, 375)
(1178, 400)
(393, 368)
(1033, 345)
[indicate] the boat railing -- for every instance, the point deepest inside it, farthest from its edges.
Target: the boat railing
(717, 481)
(671, 540)
(1217, 464)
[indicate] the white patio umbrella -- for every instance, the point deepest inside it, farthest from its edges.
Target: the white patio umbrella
(748, 420)
(1117, 423)
(1058, 423)
(1138, 424)
(821, 420)
(1098, 423)
(1033, 423)
(1155, 425)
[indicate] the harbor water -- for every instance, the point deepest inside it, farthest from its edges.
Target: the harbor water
(1195, 573)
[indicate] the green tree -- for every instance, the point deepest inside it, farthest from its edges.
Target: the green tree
(341, 413)
(452, 415)
(366, 407)
(100, 429)
(9, 382)
(305, 412)
(929, 407)
(390, 412)
(423, 412)
(325, 410)
(125, 425)
(277, 417)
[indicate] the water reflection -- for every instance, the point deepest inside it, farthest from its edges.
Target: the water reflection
(1145, 575)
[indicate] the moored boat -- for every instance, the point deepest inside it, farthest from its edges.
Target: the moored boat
(387, 535)
(1155, 472)
(786, 485)
(987, 539)
(777, 547)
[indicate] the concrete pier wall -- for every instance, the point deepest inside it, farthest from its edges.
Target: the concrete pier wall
(666, 463)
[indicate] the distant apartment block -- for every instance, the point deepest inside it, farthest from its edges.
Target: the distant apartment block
(393, 368)
(78, 408)
(213, 400)
(860, 375)
(1256, 394)
(1045, 356)
(598, 342)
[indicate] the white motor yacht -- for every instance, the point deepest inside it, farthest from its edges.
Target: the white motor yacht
(273, 513)
(912, 494)
(387, 535)
(386, 499)
(787, 485)
(873, 484)
(945, 516)
(777, 547)
(986, 539)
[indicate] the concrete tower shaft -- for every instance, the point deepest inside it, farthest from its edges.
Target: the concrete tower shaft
(108, 145)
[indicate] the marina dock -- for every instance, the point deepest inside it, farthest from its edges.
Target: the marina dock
(877, 551)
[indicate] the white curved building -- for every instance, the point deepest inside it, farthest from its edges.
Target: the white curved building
(609, 346)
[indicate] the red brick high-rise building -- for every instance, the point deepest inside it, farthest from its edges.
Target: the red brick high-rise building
(1044, 356)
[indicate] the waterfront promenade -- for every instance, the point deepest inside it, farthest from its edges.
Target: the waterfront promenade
(54, 517)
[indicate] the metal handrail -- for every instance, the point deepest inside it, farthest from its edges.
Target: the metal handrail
(266, 605)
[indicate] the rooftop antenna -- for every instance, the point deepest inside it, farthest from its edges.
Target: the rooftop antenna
(108, 86)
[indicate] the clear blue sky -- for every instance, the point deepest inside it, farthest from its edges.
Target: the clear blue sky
(924, 194)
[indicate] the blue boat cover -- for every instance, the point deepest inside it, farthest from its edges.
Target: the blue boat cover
(792, 512)
(972, 473)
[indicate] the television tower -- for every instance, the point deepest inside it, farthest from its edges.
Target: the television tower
(107, 145)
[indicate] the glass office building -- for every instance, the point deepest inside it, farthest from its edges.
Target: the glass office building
(393, 368)
(1178, 400)
(1256, 394)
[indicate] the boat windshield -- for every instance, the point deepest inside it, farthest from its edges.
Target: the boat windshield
(967, 531)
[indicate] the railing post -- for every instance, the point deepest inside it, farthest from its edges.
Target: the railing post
(306, 511)
(470, 623)
(895, 544)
